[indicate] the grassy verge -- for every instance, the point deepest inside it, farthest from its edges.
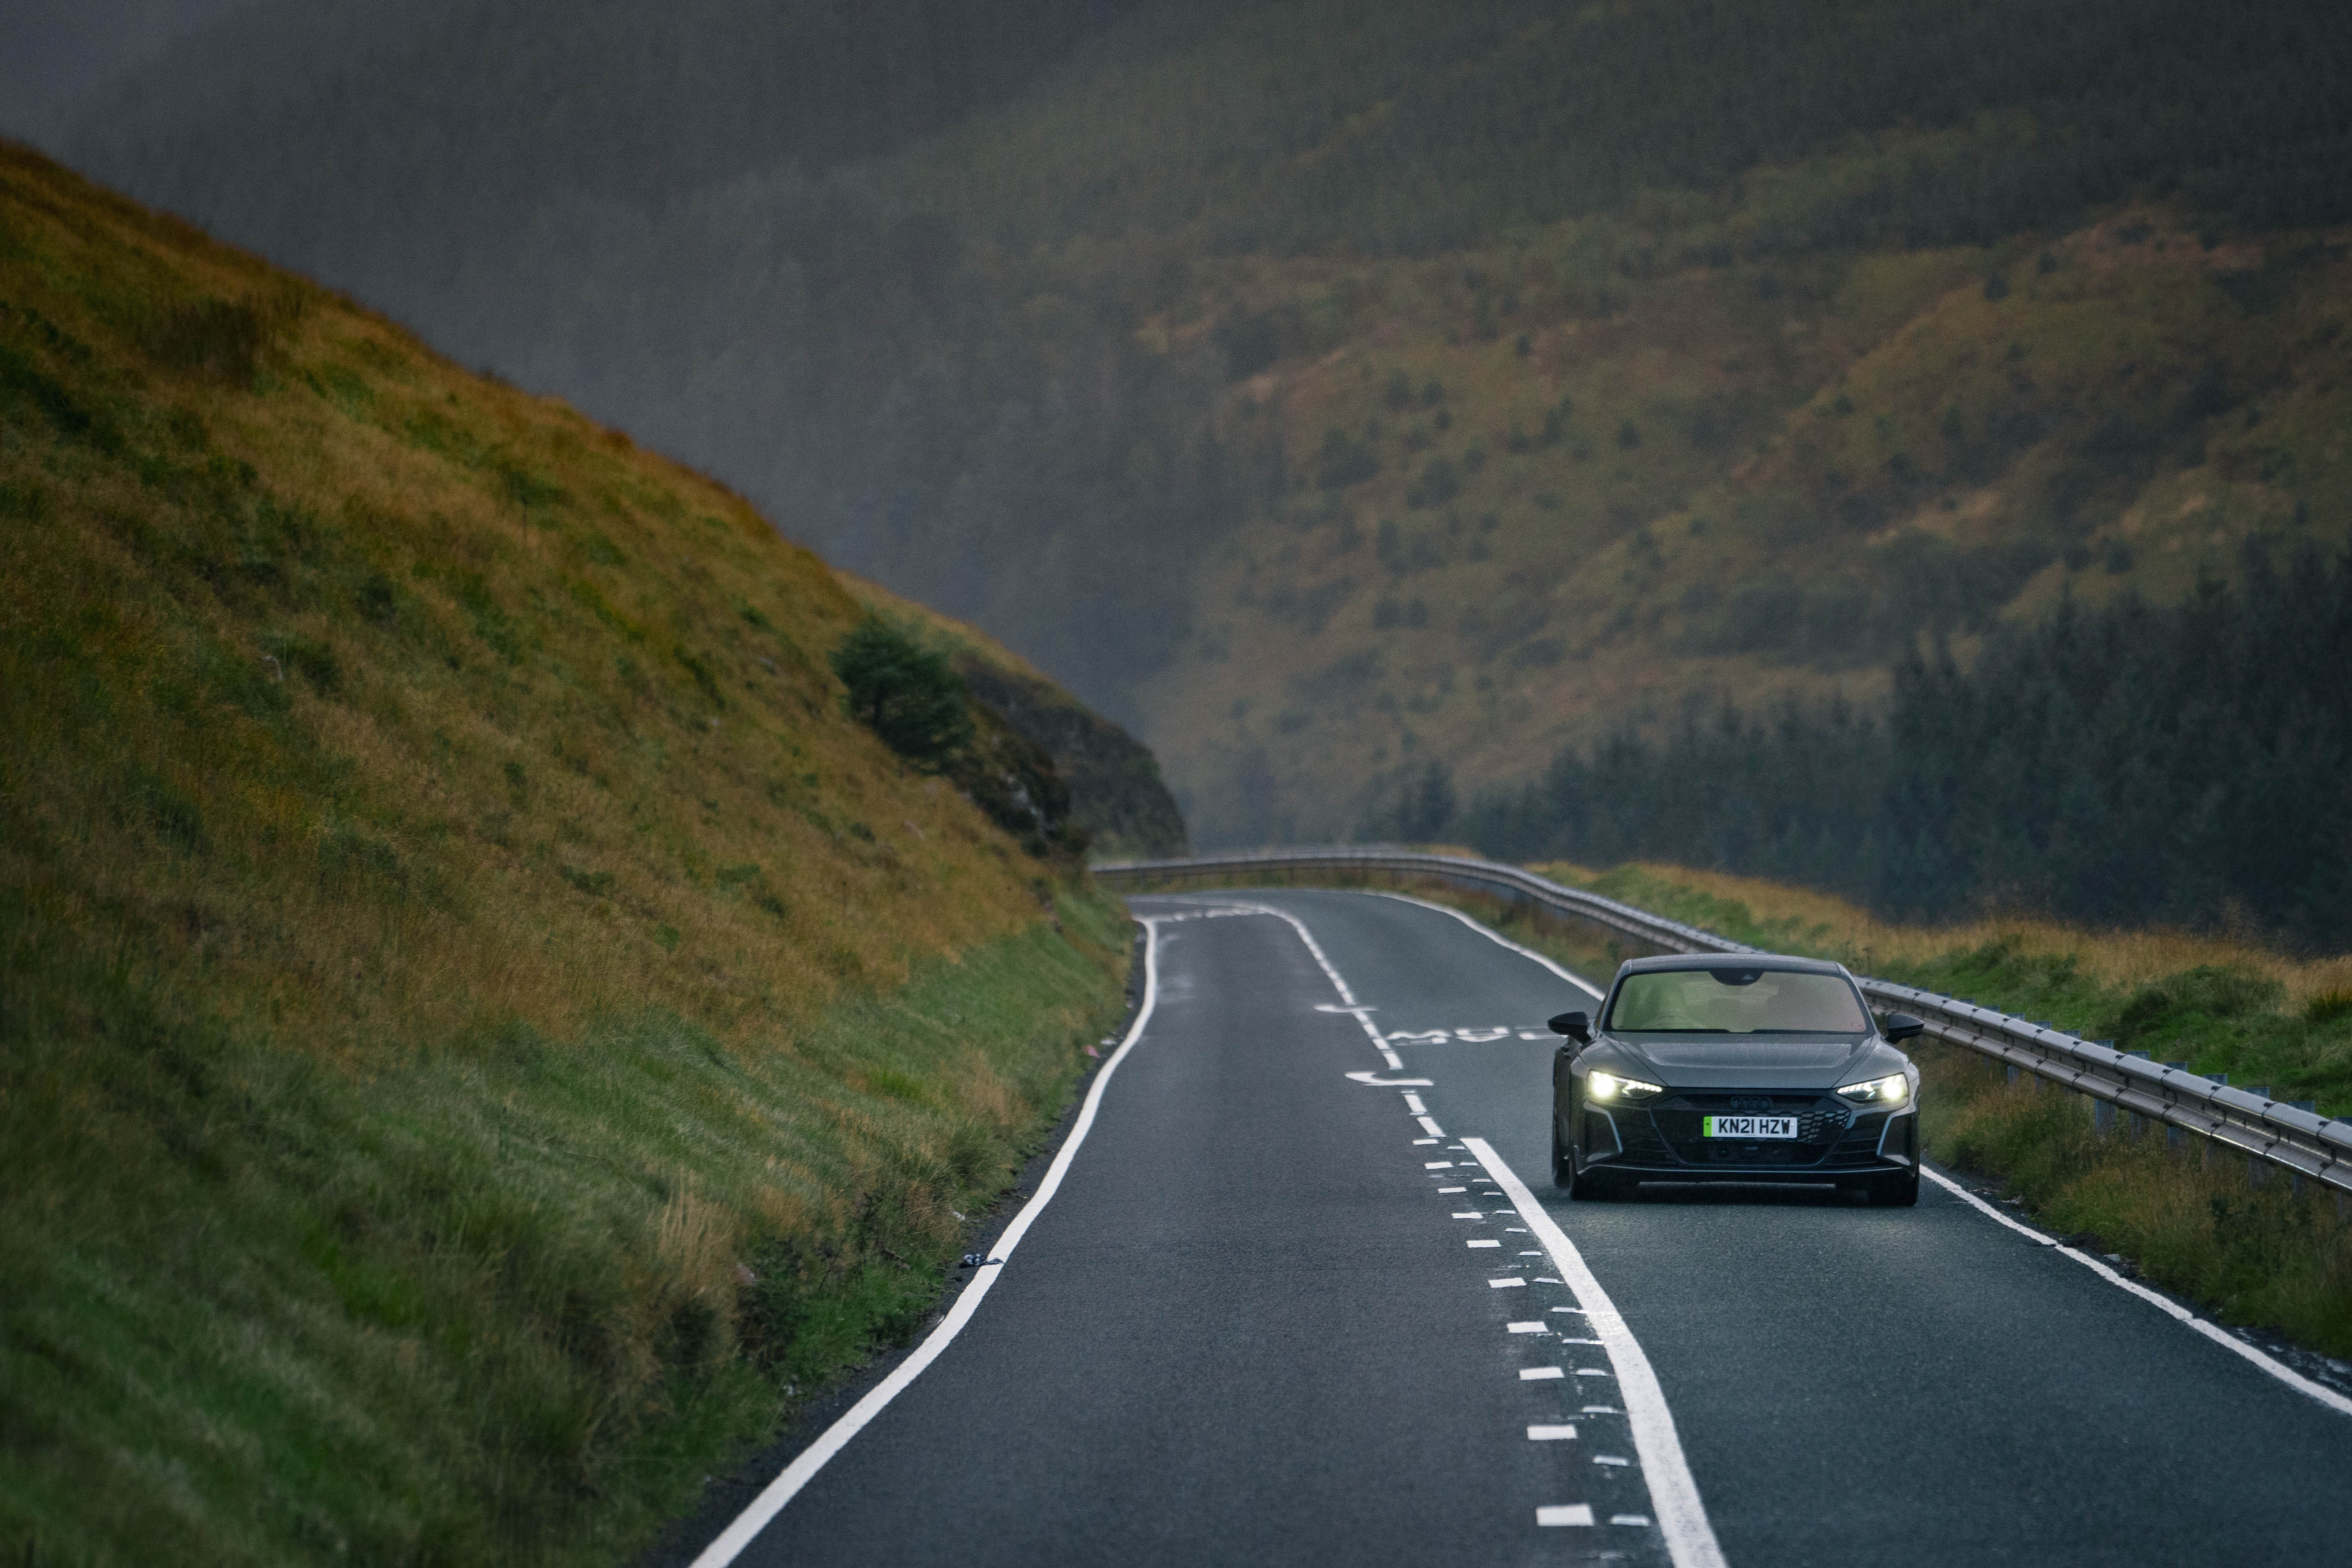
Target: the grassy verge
(2192, 1223)
(504, 1298)
(481, 1029)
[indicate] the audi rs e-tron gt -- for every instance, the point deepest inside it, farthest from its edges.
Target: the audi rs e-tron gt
(1743, 1068)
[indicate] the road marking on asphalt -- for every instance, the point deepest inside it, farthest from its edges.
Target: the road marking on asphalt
(1481, 1241)
(1641, 1518)
(1682, 1518)
(1430, 1127)
(771, 1501)
(1564, 1513)
(1534, 1328)
(1601, 1410)
(1539, 1373)
(1413, 1105)
(1609, 1459)
(1503, 1284)
(1577, 1310)
(1438, 1165)
(2220, 1336)
(1452, 1189)
(1422, 1142)
(1565, 1341)
(1470, 1214)
(1563, 1433)
(1594, 1371)
(1498, 938)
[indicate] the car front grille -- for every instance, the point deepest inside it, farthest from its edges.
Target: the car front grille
(1830, 1133)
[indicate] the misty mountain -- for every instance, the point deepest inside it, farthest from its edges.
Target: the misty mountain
(1116, 330)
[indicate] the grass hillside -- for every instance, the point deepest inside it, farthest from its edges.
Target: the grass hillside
(1540, 490)
(481, 1028)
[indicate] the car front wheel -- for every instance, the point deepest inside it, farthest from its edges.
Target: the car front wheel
(1587, 1186)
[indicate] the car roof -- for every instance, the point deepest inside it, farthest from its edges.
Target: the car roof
(1732, 961)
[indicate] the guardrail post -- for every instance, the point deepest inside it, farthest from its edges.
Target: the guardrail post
(2173, 1135)
(2255, 1167)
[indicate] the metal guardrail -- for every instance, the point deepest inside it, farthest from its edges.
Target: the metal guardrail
(2266, 1131)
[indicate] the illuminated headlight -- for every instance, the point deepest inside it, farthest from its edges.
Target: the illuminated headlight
(1892, 1090)
(1609, 1086)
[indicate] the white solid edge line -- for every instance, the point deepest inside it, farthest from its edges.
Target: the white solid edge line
(1682, 1518)
(812, 1458)
(2278, 1369)
(1493, 936)
(2214, 1332)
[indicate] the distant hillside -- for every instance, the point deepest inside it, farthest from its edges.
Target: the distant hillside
(482, 1031)
(1327, 387)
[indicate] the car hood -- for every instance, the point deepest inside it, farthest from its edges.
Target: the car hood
(1742, 1061)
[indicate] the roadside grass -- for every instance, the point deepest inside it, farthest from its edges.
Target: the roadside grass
(481, 1029)
(504, 1298)
(2199, 1223)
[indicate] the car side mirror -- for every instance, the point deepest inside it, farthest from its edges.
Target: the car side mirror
(1903, 1026)
(1575, 1025)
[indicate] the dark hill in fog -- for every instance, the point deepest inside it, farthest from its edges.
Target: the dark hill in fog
(1325, 387)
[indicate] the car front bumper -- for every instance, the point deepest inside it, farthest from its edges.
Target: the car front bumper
(1662, 1141)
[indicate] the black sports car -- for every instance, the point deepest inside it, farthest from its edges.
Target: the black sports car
(1735, 1070)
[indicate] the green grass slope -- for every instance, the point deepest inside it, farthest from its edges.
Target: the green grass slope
(481, 1029)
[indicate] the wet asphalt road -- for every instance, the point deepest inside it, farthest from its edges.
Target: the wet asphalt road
(1252, 1327)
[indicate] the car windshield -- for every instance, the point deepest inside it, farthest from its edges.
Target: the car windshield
(1727, 1001)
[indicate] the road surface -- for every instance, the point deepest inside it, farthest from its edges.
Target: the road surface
(1275, 1312)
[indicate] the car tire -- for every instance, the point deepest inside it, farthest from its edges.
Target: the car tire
(1895, 1192)
(1585, 1186)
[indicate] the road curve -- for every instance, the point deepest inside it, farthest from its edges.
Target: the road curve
(1260, 1321)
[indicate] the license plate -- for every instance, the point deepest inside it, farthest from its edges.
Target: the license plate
(1747, 1126)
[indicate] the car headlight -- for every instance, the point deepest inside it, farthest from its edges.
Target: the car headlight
(1892, 1090)
(1609, 1086)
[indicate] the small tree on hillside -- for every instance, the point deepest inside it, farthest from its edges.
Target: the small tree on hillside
(904, 692)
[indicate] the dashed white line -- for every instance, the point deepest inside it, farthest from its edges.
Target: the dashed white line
(1535, 1327)
(1413, 1105)
(1481, 1241)
(1563, 1433)
(1609, 1459)
(1430, 1127)
(1444, 1190)
(1638, 1518)
(1503, 1284)
(1564, 1513)
(1682, 1518)
(1438, 1165)
(1592, 1371)
(1471, 1214)
(1539, 1373)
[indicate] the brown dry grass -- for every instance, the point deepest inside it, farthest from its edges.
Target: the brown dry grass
(474, 777)
(480, 1028)
(2117, 959)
